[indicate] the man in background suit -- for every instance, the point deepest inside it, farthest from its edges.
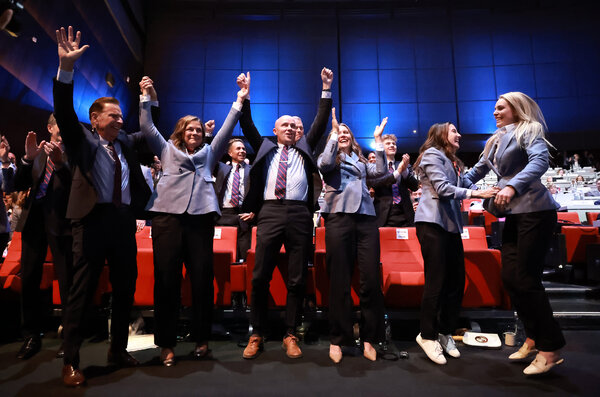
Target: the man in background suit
(232, 184)
(6, 186)
(42, 224)
(108, 190)
(283, 195)
(392, 197)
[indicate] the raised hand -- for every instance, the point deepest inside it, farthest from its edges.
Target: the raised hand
(335, 126)
(404, 163)
(4, 149)
(68, 48)
(209, 127)
(32, 149)
(327, 78)
(379, 130)
(243, 81)
(54, 151)
(147, 88)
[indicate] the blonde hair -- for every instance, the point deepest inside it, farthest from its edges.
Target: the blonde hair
(530, 122)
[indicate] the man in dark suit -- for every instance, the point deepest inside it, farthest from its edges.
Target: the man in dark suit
(6, 186)
(392, 197)
(42, 224)
(283, 195)
(108, 190)
(232, 184)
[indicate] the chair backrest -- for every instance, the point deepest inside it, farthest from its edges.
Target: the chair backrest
(572, 217)
(473, 237)
(400, 250)
(225, 240)
(320, 239)
(591, 217)
(466, 203)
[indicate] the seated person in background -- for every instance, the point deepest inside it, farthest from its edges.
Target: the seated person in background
(561, 173)
(595, 192)
(372, 158)
(415, 197)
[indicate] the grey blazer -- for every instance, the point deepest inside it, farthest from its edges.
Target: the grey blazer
(346, 183)
(442, 189)
(187, 184)
(521, 168)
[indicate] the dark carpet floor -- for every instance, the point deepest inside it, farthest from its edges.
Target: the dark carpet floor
(477, 373)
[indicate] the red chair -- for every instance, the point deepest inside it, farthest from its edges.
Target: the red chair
(591, 217)
(144, 285)
(577, 239)
(402, 267)
(488, 219)
(466, 203)
(322, 277)
(570, 217)
(483, 280)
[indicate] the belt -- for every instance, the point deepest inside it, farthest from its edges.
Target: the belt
(287, 202)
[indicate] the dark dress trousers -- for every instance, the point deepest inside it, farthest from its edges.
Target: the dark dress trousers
(43, 224)
(280, 221)
(389, 214)
(102, 232)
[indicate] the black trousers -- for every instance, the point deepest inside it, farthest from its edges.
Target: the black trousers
(230, 217)
(444, 261)
(353, 238)
(525, 242)
(105, 235)
(35, 239)
(288, 223)
(177, 240)
(397, 217)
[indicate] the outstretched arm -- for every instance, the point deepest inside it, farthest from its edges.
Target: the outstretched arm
(327, 160)
(319, 124)
(153, 137)
(246, 123)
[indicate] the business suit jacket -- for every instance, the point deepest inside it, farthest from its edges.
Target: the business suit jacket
(442, 190)
(384, 196)
(222, 174)
(31, 175)
(521, 168)
(262, 146)
(187, 184)
(82, 145)
(6, 183)
(345, 183)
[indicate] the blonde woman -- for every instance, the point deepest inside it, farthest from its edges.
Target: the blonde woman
(518, 153)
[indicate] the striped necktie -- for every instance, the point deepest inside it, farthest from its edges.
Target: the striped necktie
(281, 174)
(396, 199)
(235, 188)
(47, 175)
(116, 198)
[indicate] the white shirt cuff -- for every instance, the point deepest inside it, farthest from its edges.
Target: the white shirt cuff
(396, 174)
(378, 146)
(325, 94)
(237, 106)
(469, 193)
(333, 136)
(64, 77)
(145, 98)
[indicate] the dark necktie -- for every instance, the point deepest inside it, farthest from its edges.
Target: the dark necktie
(396, 199)
(281, 174)
(47, 175)
(235, 188)
(116, 198)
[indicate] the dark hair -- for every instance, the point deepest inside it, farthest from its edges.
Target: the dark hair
(354, 147)
(234, 140)
(180, 126)
(437, 137)
(98, 105)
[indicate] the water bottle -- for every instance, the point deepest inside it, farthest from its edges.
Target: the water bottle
(388, 330)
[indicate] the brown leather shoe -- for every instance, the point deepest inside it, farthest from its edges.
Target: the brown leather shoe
(72, 377)
(201, 350)
(290, 345)
(121, 359)
(255, 345)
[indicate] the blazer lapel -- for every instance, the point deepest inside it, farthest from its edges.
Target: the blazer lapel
(504, 141)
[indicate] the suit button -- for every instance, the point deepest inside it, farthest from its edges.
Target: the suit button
(180, 171)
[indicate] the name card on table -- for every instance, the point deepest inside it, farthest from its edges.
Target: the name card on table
(401, 234)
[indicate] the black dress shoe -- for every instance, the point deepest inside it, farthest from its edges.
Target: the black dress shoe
(60, 353)
(72, 377)
(122, 359)
(30, 347)
(201, 351)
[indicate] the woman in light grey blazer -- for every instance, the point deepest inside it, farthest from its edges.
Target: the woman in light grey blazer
(518, 154)
(351, 235)
(185, 208)
(439, 224)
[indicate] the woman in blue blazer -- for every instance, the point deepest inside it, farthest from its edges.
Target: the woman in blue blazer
(518, 154)
(351, 235)
(438, 222)
(185, 208)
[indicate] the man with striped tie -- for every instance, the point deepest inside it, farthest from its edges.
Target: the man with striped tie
(283, 196)
(42, 224)
(393, 205)
(232, 184)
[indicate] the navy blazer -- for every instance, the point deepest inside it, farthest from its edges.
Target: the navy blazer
(521, 168)
(222, 175)
(442, 189)
(346, 183)
(81, 146)
(187, 183)
(262, 146)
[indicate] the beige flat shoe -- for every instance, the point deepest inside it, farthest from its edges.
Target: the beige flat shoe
(541, 366)
(335, 354)
(524, 352)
